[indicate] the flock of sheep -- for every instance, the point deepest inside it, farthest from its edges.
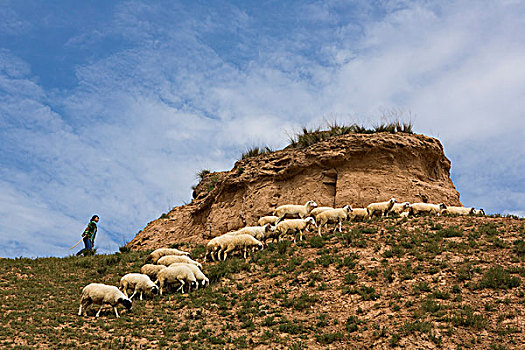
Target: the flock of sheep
(175, 266)
(169, 266)
(277, 227)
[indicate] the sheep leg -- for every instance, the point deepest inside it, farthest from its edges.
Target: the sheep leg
(319, 231)
(181, 287)
(245, 253)
(340, 225)
(98, 313)
(161, 286)
(80, 310)
(132, 295)
(140, 295)
(116, 312)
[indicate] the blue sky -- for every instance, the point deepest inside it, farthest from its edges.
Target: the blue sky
(112, 107)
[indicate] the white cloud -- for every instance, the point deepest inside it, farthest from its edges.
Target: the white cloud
(127, 141)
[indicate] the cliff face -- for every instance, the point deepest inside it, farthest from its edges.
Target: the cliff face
(354, 169)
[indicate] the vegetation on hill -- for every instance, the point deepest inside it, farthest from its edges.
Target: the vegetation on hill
(310, 136)
(424, 282)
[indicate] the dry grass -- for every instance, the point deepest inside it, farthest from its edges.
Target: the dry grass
(450, 283)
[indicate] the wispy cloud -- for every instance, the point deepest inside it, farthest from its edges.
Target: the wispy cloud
(188, 87)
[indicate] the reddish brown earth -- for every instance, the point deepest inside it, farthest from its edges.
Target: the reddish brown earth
(354, 169)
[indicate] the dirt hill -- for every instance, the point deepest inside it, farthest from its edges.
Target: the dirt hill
(354, 169)
(421, 283)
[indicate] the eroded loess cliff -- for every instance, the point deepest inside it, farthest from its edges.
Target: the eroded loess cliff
(354, 169)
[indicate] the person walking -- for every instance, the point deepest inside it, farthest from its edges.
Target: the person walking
(89, 236)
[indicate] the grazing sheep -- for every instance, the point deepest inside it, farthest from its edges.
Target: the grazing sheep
(462, 211)
(100, 294)
(170, 259)
(201, 277)
(359, 213)
(238, 243)
(139, 283)
(151, 270)
(267, 220)
(159, 253)
(182, 274)
(431, 209)
(258, 232)
(293, 226)
(382, 207)
(319, 210)
(213, 247)
(294, 210)
(398, 208)
(479, 211)
(335, 215)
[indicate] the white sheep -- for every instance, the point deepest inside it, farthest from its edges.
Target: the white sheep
(199, 275)
(139, 283)
(213, 247)
(159, 253)
(398, 208)
(479, 211)
(267, 220)
(292, 227)
(319, 210)
(258, 232)
(170, 259)
(359, 213)
(151, 270)
(335, 215)
(294, 210)
(462, 211)
(182, 274)
(382, 207)
(404, 214)
(101, 294)
(239, 243)
(431, 209)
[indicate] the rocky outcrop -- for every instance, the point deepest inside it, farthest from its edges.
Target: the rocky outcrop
(354, 169)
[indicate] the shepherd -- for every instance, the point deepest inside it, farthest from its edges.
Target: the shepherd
(89, 236)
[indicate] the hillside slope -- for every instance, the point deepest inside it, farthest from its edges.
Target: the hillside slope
(354, 169)
(421, 283)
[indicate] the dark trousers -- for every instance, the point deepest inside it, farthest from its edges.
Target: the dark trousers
(87, 246)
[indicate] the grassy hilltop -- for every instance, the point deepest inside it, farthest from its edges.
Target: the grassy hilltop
(451, 283)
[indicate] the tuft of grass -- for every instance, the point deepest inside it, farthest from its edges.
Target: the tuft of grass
(256, 151)
(307, 137)
(202, 174)
(498, 278)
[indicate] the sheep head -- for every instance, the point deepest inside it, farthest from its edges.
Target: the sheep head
(126, 302)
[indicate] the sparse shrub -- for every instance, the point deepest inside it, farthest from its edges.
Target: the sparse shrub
(224, 268)
(352, 324)
(124, 249)
(164, 216)
(389, 274)
(350, 260)
(255, 151)
(498, 278)
(416, 326)
(467, 318)
(202, 174)
(291, 327)
(316, 242)
(351, 278)
(329, 338)
(450, 232)
(519, 247)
